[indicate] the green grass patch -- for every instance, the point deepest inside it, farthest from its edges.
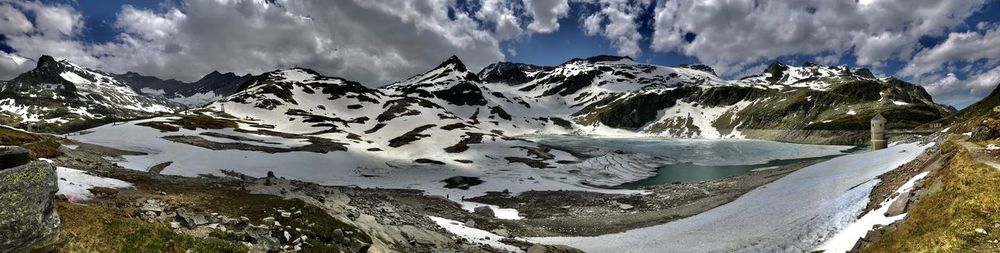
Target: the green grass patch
(196, 121)
(41, 146)
(92, 228)
(965, 196)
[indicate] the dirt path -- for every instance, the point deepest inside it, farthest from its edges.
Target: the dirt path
(980, 154)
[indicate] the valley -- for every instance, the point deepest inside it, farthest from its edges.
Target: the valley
(510, 158)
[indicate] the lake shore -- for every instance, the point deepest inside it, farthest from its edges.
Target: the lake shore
(582, 213)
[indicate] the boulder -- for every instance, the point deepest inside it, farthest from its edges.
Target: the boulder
(191, 221)
(261, 239)
(899, 206)
(28, 219)
(484, 211)
(13, 156)
(540, 248)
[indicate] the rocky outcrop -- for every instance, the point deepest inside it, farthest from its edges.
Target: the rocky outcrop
(28, 220)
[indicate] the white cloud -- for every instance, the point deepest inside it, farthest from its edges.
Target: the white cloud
(375, 42)
(961, 93)
(501, 15)
(616, 21)
(12, 21)
(12, 65)
(546, 14)
(965, 47)
(732, 35)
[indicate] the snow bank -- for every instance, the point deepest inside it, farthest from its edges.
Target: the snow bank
(473, 234)
(74, 184)
(846, 238)
(794, 213)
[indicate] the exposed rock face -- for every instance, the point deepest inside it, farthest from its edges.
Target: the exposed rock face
(28, 220)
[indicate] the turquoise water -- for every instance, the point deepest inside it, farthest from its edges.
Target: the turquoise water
(697, 160)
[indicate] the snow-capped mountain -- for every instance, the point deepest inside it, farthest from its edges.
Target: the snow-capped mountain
(384, 125)
(616, 95)
(59, 96)
(211, 87)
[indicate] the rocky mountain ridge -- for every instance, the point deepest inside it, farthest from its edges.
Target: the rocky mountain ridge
(59, 96)
(211, 87)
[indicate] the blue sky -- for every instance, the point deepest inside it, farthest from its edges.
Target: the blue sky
(943, 45)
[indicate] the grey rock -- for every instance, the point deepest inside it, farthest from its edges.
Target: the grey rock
(484, 211)
(28, 219)
(540, 248)
(625, 206)
(191, 221)
(151, 206)
(899, 206)
(470, 223)
(262, 239)
(501, 232)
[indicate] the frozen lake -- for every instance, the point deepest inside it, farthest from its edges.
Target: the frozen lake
(693, 160)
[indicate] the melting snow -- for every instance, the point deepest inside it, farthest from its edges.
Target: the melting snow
(846, 238)
(473, 234)
(75, 184)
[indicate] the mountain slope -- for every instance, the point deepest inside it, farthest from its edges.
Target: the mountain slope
(59, 96)
(211, 87)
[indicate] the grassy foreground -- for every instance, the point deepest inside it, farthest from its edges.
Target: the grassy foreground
(959, 213)
(41, 146)
(92, 228)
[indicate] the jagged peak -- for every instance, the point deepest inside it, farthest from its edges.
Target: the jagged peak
(455, 62)
(865, 73)
(46, 60)
(775, 68)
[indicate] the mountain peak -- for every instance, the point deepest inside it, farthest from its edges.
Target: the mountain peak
(46, 60)
(864, 72)
(453, 60)
(776, 68)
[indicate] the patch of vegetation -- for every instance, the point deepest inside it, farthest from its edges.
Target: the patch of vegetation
(463, 145)
(192, 122)
(461, 182)
(964, 198)
(428, 161)
(162, 126)
(92, 228)
(411, 136)
(41, 146)
(13, 137)
(46, 148)
(499, 112)
(450, 127)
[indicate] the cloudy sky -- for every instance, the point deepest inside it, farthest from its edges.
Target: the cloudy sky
(951, 47)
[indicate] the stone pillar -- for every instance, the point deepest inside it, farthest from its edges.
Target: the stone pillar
(28, 219)
(878, 133)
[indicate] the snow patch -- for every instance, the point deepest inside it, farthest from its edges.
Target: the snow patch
(846, 238)
(473, 234)
(75, 184)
